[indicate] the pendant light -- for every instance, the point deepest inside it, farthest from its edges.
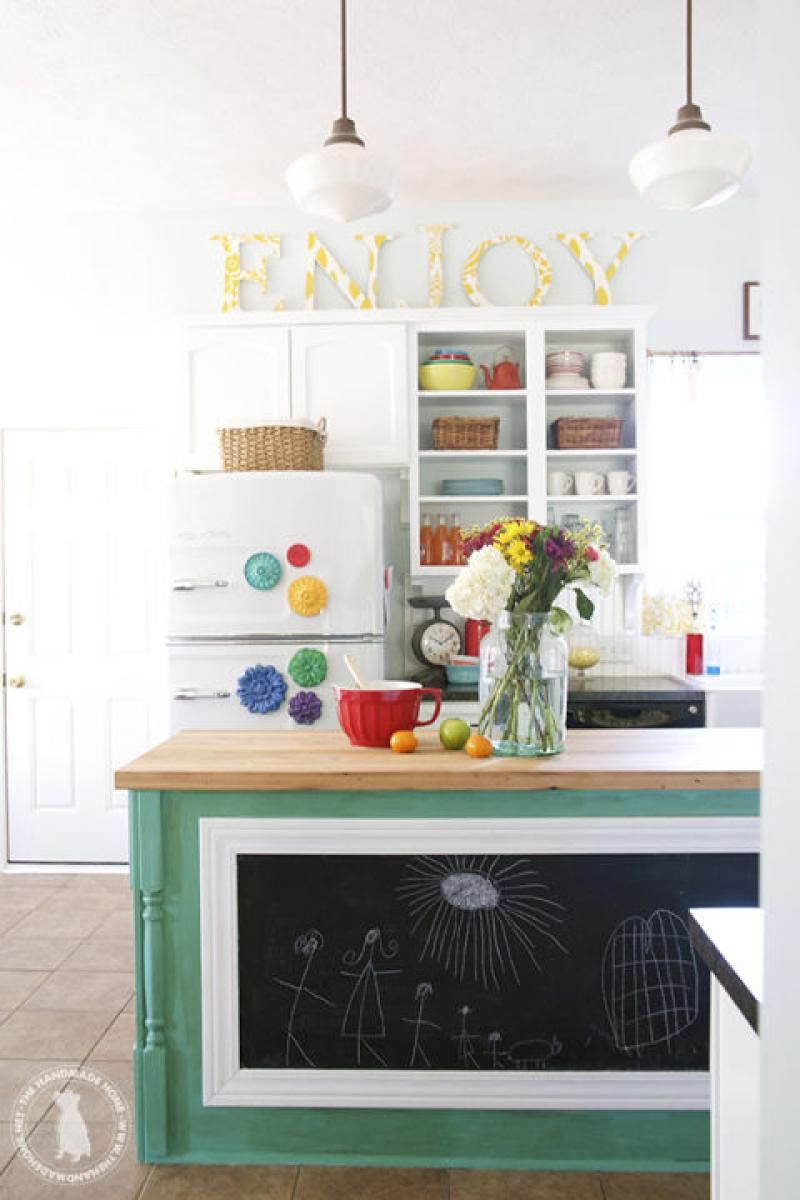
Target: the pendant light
(692, 167)
(343, 180)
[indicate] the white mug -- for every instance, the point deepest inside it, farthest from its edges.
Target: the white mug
(559, 483)
(620, 482)
(589, 483)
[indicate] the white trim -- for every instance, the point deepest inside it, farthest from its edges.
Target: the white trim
(226, 1084)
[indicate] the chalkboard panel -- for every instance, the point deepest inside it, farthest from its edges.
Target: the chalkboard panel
(529, 962)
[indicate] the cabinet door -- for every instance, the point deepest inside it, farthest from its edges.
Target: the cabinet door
(355, 377)
(234, 377)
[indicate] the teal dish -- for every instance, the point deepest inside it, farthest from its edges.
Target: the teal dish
(462, 672)
(262, 571)
(472, 487)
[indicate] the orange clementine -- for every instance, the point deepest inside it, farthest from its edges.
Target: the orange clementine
(478, 746)
(403, 741)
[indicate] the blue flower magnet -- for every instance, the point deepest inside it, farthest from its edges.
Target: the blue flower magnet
(261, 689)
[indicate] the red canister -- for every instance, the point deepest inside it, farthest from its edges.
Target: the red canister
(694, 654)
(474, 632)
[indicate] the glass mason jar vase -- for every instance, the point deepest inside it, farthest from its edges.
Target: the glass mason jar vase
(523, 685)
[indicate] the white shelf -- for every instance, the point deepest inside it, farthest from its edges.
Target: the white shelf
(602, 498)
(482, 394)
(456, 500)
(469, 454)
(588, 393)
(629, 569)
(618, 451)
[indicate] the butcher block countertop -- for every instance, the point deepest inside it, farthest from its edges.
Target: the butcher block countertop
(594, 760)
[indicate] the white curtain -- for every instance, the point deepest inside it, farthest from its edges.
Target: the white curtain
(705, 483)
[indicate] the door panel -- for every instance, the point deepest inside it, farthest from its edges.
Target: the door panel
(84, 569)
(235, 377)
(354, 377)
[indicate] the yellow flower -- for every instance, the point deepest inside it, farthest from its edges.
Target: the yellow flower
(518, 554)
(513, 530)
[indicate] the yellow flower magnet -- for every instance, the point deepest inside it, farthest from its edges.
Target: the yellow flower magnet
(307, 596)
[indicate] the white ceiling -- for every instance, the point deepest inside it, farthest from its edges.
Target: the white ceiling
(202, 103)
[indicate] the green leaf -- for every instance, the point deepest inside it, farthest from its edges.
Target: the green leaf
(585, 605)
(560, 619)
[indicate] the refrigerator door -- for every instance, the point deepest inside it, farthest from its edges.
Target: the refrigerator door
(204, 680)
(277, 553)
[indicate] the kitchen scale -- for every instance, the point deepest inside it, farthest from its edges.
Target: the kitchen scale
(436, 641)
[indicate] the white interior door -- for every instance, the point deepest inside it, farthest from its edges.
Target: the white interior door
(84, 665)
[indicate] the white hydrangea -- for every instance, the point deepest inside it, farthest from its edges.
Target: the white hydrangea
(482, 589)
(602, 571)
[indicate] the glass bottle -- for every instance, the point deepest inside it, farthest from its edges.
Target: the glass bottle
(454, 538)
(425, 542)
(438, 542)
(523, 685)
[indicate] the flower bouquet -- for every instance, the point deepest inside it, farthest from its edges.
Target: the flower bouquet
(515, 572)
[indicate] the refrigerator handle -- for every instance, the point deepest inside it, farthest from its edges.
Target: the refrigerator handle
(189, 585)
(200, 694)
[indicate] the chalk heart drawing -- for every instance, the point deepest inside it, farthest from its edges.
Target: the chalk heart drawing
(650, 980)
(481, 916)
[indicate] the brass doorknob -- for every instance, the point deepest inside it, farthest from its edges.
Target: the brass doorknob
(16, 681)
(16, 619)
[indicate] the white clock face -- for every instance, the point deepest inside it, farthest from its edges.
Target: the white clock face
(440, 643)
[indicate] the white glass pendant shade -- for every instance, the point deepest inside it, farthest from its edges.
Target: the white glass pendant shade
(691, 168)
(342, 181)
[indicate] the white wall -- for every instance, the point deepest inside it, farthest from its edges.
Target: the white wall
(780, 96)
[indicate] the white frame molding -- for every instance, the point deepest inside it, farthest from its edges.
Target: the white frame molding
(226, 1084)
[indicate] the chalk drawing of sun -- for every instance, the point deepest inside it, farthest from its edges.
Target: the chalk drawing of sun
(479, 916)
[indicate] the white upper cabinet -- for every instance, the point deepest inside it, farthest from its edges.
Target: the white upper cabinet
(235, 377)
(355, 377)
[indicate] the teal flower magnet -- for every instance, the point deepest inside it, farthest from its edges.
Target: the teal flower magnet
(262, 571)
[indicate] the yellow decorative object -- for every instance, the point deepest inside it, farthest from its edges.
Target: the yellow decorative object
(230, 244)
(318, 256)
(307, 596)
(435, 271)
(446, 376)
(541, 262)
(578, 246)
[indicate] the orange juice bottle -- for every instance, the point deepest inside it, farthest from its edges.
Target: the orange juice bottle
(439, 542)
(425, 542)
(455, 540)
(449, 547)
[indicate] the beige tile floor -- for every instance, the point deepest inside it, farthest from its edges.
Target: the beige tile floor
(66, 989)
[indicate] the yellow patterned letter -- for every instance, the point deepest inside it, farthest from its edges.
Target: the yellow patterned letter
(234, 275)
(319, 256)
(578, 246)
(434, 252)
(539, 259)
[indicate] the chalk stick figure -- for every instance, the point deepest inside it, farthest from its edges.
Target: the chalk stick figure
(424, 990)
(363, 1019)
(306, 945)
(466, 1041)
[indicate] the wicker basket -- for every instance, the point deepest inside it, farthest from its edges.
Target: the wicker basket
(465, 433)
(289, 447)
(587, 433)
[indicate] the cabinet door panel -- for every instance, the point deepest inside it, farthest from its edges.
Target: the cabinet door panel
(235, 377)
(356, 379)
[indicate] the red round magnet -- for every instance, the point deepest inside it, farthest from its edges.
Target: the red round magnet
(298, 555)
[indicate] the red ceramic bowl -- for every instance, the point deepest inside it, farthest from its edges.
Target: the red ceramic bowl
(369, 716)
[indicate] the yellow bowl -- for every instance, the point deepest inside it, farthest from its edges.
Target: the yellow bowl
(446, 377)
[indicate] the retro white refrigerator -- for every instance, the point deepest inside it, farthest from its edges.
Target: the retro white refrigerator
(275, 576)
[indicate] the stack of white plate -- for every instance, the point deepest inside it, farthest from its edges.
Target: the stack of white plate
(609, 370)
(565, 371)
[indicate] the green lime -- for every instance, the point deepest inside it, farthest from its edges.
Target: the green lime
(453, 733)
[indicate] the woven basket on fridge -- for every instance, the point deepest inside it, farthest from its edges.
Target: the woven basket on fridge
(465, 433)
(292, 446)
(587, 433)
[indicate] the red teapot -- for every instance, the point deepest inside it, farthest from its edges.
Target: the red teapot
(505, 376)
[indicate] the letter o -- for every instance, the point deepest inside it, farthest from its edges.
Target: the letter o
(541, 263)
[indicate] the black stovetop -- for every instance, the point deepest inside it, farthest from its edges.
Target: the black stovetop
(604, 689)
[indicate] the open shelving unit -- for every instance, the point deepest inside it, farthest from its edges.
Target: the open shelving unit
(526, 455)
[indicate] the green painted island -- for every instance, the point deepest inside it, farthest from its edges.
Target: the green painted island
(349, 956)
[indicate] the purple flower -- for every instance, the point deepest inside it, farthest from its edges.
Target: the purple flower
(261, 689)
(559, 549)
(305, 708)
